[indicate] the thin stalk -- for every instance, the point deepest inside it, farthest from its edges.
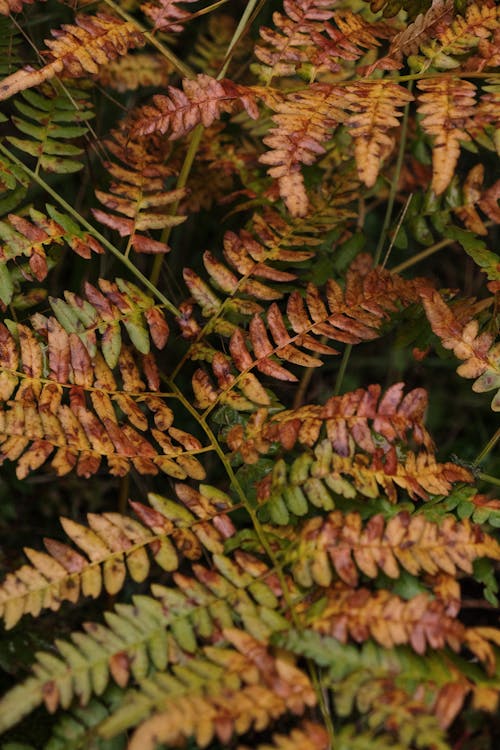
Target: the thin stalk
(422, 255)
(93, 231)
(488, 478)
(394, 183)
(183, 69)
(487, 448)
(342, 369)
(239, 31)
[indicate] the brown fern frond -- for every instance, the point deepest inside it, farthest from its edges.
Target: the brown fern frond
(167, 15)
(36, 419)
(475, 194)
(483, 126)
(135, 71)
(341, 544)
(138, 196)
(375, 112)
(446, 104)
(268, 687)
(391, 621)
(304, 121)
(480, 355)
(78, 50)
(201, 100)
(349, 316)
(113, 547)
(360, 418)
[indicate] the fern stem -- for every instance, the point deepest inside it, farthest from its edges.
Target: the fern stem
(487, 448)
(421, 255)
(239, 31)
(394, 183)
(94, 232)
(343, 367)
(488, 478)
(179, 66)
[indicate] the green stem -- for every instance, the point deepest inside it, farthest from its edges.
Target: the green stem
(487, 448)
(112, 249)
(183, 69)
(421, 256)
(488, 478)
(394, 183)
(343, 367)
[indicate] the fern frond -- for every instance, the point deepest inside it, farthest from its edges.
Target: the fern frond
(349, 316)
(375, 112)
(77, 50)
(445, 105)
(13, 185)
(32, 238)
(114, 547)
(9, 44)
(247, 688)
(340, 545)
(138, 196)
(132, 72)
(167, 15)
(82, 436)
(392, 7)
(421, 622)
(360, 418)
(480, 355)
(201, 100)
(475, 194)
(484, 126)
(304, 120)
(52, 120)
(316, 478)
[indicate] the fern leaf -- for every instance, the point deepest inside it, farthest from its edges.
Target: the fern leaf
(481, 357)
(167, 15)
(51, 121)
(349, 316)
(232, 702)
(38, 420)
(201, 100)
(137, 195)
(9, 46)
(77, 50)
(421, 622)
(374, 107)
(13, 185)
(114, 547)
(304, 121)
(445, 105)
(475, 194)
(340, 545)
(31, 238)
(347, 420)
(316, 478)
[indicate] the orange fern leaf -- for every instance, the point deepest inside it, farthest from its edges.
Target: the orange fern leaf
(341, 545)
(481, 356)
(304, 121)
(308, 736)
(135, 71)
(374, 107)
(360, 417)
(445, 106)
(201, 101)
(78, 50)
(13, 6)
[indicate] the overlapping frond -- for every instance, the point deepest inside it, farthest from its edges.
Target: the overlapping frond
(138, 196)
(480, 355)
(421, 622)
(319, 477)
(132, 72)
(77, 50)
(361, 418)
(57, 397)
(201, 100)
(341, 544)
(307, 736)
(33, 237)
(112, 548)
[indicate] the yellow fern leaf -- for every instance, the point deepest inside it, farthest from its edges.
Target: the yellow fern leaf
(78, 50)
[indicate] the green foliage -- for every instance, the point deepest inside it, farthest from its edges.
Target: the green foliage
(310, 555)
